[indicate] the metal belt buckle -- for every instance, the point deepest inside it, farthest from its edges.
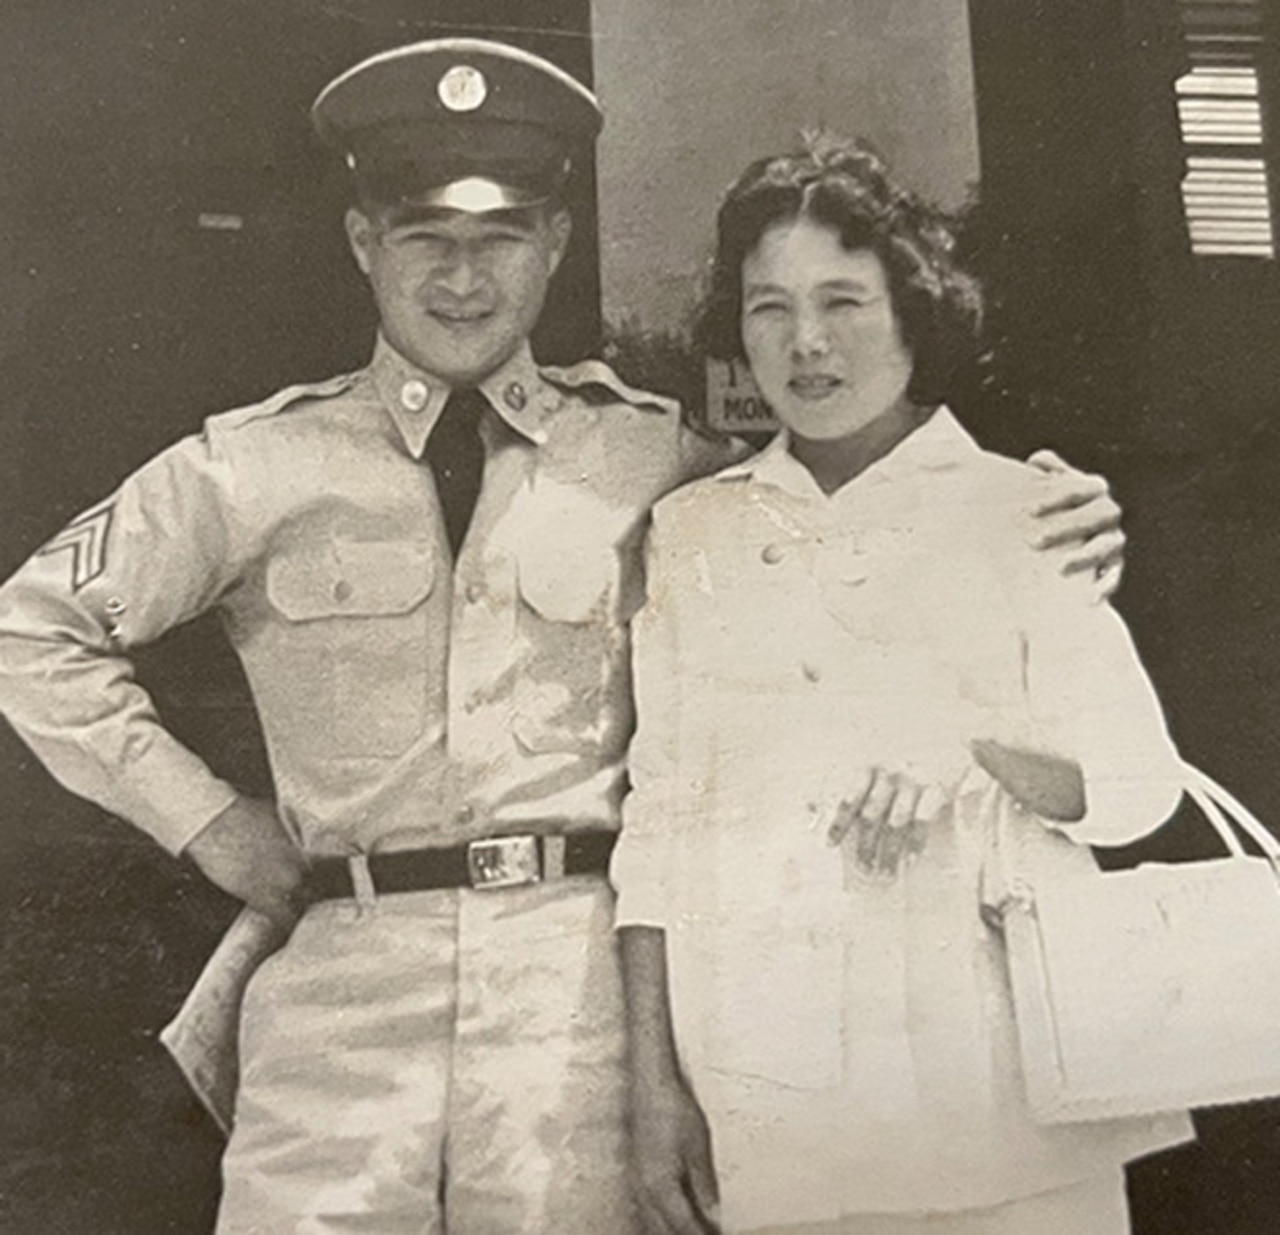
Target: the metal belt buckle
(504, 862)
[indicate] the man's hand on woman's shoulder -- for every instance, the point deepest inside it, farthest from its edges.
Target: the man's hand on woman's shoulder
(1078, 519)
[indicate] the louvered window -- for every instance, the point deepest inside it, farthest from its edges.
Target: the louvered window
(1225, 192)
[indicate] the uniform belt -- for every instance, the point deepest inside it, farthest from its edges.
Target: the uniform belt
(494, 862)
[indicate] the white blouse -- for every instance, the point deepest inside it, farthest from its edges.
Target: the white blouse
(852, 1040)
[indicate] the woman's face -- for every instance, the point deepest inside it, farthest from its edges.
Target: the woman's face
(820, 331)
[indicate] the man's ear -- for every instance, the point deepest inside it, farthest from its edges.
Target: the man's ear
(361, 236)
(561, 226)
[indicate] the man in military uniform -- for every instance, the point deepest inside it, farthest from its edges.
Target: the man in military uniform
(427, 568)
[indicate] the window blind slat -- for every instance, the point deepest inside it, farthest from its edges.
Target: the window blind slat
(1225, 196)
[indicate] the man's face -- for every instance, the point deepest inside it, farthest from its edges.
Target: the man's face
(458, 293)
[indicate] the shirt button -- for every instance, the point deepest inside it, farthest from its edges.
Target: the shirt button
(414, 395)
(771, 555)
(465, 814)
(474, 593)
(515, 397)
(342, 591)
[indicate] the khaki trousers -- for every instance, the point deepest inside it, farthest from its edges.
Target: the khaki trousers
(440, 1062)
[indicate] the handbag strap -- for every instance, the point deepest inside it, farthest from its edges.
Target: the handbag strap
(1217, 803)
(1007, 881)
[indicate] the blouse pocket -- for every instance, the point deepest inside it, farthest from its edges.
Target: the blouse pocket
(357, 642)
(778, 945)
(749, 1001)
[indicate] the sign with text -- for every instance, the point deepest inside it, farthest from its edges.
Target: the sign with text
(734, 402)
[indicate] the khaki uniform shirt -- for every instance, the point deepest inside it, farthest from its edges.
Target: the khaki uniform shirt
(404, 701)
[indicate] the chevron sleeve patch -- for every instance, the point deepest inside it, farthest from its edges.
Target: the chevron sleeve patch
(85, 538)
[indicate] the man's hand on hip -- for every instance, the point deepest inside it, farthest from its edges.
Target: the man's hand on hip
(246, 851)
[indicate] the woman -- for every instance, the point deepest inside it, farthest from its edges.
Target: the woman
(854, 678)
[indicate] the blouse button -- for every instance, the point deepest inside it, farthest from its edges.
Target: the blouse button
(342, 591)
(515, 397)
(474, 593)
(414, 395)
(811, 673)
(771, 555)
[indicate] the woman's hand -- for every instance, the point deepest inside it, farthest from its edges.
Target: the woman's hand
(1079, 519)
(887, 816)
(673, 1180)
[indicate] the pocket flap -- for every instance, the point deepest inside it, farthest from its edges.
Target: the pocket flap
(349, 578)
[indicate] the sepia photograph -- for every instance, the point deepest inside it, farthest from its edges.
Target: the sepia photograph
(639, 617)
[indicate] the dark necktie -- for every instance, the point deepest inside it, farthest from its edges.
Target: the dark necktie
(456, 455)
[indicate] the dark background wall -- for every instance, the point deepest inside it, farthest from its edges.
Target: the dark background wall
(712, 79)
(1162, 370)
(122, 323)
(1115, 344)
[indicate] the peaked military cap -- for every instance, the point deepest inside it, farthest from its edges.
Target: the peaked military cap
(466, 124)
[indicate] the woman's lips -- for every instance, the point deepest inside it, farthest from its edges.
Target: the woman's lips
(815, 386)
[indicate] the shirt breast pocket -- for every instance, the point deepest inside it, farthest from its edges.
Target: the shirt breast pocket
(356, 642)
(572, 645)
(757, 612)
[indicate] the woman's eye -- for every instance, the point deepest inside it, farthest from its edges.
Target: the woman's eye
(765, 307)
(845, 302)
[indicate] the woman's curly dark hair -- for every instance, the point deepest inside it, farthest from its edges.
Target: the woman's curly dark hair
(846, 185)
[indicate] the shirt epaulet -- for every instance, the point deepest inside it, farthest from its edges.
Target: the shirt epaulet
(284, 399)
(588, 375)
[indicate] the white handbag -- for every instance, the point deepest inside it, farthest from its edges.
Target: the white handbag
(1144, 990)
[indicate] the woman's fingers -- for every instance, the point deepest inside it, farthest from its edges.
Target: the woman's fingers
(848, 811)
(873, 817)
(879, 800)
(906, 799)
(893, 837)
(887, 817)
(917, 838)
(930, 805)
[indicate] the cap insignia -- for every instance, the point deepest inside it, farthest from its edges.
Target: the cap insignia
(462, 88)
